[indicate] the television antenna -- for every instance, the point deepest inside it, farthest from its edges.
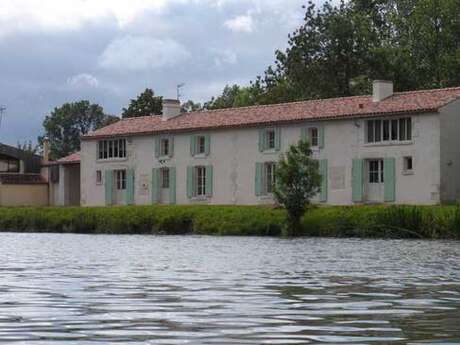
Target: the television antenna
(179, 87)
(2, 110)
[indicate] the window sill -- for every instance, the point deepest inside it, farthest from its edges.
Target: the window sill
(111, 160)
(200, 156)
(387, 143)
(164, 158)
(270, 152)
(266, 196)
(200, 198)
(408, 172)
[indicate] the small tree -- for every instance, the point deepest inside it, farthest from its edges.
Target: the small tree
(144, 105)
(297, 181)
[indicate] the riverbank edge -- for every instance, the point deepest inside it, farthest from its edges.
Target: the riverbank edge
(424, 222)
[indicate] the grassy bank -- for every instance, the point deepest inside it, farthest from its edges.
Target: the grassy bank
(440, 222)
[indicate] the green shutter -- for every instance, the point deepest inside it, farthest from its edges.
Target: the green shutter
(130, 187)
(357, 180)
(389, 179)
(156, 186)
(209, 180)
(324, 177)
(261, 140)
(157, 146)
(108, 187)
(304, 134)
(193, 145)
(190, 182)
(172, 186)
(171, 146)
(207, 140)
(277, 139)
(258, 179)
(321, 137)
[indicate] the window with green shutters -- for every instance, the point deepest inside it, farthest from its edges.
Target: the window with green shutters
(164, 146)
(200, 181)
(314, 135)
(200, 145)
(264, 178)
(270, 139)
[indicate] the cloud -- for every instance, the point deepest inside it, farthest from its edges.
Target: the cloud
(25, 15)
(139, 53)
(83, 80)
(224, 57)
(243, 23)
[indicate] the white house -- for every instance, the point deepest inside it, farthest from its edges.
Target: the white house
(389, 147)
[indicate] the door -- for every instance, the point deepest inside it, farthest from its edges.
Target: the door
(165, 185)
(119, 187)
(375, 184)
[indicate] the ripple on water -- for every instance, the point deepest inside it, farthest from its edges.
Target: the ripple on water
(88, 290)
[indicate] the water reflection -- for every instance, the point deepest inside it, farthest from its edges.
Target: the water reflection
(80, 289)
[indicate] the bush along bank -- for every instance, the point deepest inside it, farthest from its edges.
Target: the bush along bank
(428, 222)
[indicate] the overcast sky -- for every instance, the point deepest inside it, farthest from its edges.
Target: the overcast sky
(108, 51)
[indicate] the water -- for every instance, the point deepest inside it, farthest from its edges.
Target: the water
(87, 289)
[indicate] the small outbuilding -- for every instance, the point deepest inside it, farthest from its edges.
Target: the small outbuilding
(21, 180)
(64, 181)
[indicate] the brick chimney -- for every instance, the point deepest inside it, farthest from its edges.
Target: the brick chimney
(46, 149)
(171, 109)
(381, 89)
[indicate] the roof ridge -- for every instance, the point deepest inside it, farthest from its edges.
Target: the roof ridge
(428, 90)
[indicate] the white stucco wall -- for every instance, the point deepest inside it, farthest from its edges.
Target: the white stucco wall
(450, 152)
(234, 152)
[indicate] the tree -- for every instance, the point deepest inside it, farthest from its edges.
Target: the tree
(67, 123)
(297, 181)
(190, 106)
(144, 105)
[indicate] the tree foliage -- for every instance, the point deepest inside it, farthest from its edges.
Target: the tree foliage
(339, 49)
(67, 123)
(297, 181)
(190, 106)
(144, 105)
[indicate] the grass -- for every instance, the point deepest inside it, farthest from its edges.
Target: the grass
(428, 222)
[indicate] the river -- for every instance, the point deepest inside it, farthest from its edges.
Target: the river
(97, 289)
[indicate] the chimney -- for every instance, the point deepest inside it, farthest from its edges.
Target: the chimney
(171, 108)
(46, 149)
(381, 89)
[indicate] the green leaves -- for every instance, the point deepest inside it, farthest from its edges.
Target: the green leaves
(67, 123)
(144, 105)
(297, 181)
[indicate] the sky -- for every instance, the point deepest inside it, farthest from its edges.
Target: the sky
(109, 51)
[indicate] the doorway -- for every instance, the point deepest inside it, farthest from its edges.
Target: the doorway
(375, 180)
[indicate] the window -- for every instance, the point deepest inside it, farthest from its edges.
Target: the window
(271, 139)
(200, 175)
(109, 149)
(120, 179)
(376, 171)
(269, 172)
(164, 147)
(98, 177)
(201, 144)
(313, 135)
(408, 165)
(164, 178)
(9, 165)
(386, 130)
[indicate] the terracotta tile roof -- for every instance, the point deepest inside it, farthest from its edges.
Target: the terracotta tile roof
(74, 158)
(22, 179)
(326, 109)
